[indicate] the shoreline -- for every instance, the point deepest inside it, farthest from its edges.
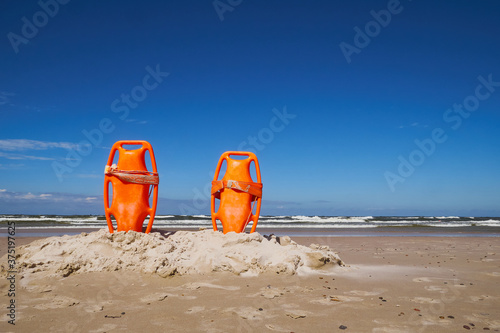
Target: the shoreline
(296, 232)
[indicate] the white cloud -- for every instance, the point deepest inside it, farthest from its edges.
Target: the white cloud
(11, 166)
(24, 157)
(46, 197)
(25, 144)
(26, 196)
(4, 97)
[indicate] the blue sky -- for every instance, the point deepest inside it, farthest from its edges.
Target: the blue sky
(352, 107)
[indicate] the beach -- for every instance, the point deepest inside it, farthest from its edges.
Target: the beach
(383, 284)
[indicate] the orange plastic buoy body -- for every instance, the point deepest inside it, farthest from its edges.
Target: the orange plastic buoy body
(236, 191)
(131, 184)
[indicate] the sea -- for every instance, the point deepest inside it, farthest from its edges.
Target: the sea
(342, 226)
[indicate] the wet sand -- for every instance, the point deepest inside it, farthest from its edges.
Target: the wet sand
(390, 284)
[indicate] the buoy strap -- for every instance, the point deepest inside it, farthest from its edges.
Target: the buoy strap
(252, 188)
(143, 177)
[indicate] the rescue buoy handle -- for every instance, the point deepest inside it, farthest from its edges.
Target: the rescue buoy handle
(133, 142)
(145, 146)
(227, 155)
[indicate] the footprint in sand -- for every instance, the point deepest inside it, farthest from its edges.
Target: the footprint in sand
(39, 289)
(482, 298)
(422, 279)
(157, 297)
(93, 308)
(277, 328)
(436, 288)
(57, 302)
(365, 293)
(195, 309)
(389, 330)
(271, 293)
(104, 328)
(330, 300)
(297, 314)
(244, 312)
(194, 286)
(186, 298)
(424, 300)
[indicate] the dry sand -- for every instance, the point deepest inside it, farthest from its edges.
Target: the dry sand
(389, 284)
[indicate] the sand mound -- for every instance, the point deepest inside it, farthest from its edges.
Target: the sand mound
(180, 253)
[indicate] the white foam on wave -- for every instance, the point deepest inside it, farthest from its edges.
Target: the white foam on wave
(268, 222)
(488, 223)
(71, 226)
(449, 225)
(48, 218)
(334, 219)
(317, 226)
(303, 217)
(274, 217)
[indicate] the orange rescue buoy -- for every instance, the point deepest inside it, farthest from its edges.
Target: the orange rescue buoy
(236, 192)
(132, 184)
